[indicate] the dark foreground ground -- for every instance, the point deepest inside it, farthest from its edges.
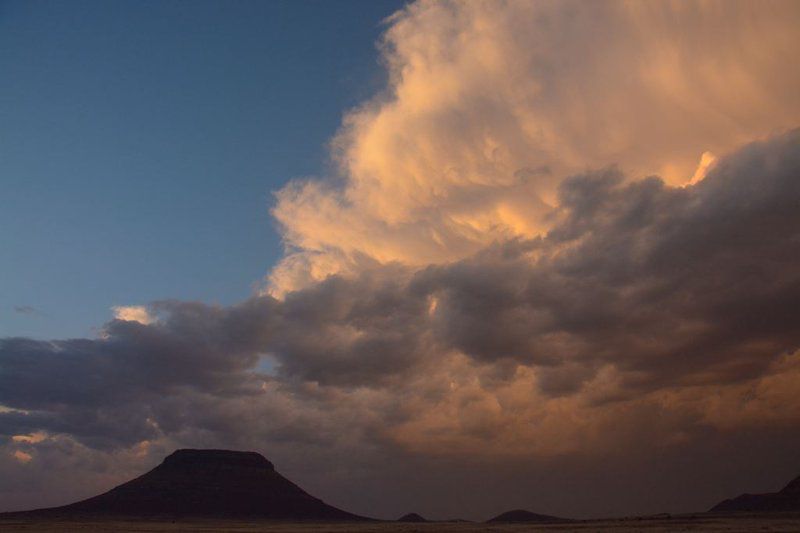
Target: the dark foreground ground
(785, 523)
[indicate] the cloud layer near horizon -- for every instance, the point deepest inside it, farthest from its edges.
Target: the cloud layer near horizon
(491, 278)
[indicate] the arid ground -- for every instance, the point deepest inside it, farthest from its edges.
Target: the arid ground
(786, 523)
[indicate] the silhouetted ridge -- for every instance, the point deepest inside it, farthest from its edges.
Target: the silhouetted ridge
(793, 487)
(208, 483)
(787, 499)
(521, 515)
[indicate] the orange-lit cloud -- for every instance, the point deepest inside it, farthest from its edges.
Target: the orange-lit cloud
(22, 457)
(492, 104)
(30, 439)
(133, 313)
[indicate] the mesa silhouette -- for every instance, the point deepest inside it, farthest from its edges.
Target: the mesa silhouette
(206, 483)
(787, 499)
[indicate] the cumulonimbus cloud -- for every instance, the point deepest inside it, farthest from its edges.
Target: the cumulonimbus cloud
(642, 299)
(491, 105)
(519, 261)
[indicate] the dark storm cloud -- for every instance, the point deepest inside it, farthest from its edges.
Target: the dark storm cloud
(107, 388)
(673, 284)
(663, 280)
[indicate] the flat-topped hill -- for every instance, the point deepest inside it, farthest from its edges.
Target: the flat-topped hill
(207, 483)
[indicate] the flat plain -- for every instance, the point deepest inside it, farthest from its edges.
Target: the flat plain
(783, 523)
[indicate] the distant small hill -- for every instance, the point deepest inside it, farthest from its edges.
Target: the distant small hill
(787, 499)
(205, 483)
(521, 515)
(411, 517)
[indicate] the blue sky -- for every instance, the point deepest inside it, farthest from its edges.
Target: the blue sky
(140, 143)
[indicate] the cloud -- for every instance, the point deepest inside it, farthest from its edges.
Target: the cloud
(489, 107)
(560, 252)
(26, 310)
(133, 313)
(648, 313)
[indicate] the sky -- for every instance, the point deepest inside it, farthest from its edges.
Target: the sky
(140, 144)
(451, 258)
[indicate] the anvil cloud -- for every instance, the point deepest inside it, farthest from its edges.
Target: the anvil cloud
(529, 266)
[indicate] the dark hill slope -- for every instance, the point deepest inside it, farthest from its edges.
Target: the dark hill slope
(787, 499)
(206, 483)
